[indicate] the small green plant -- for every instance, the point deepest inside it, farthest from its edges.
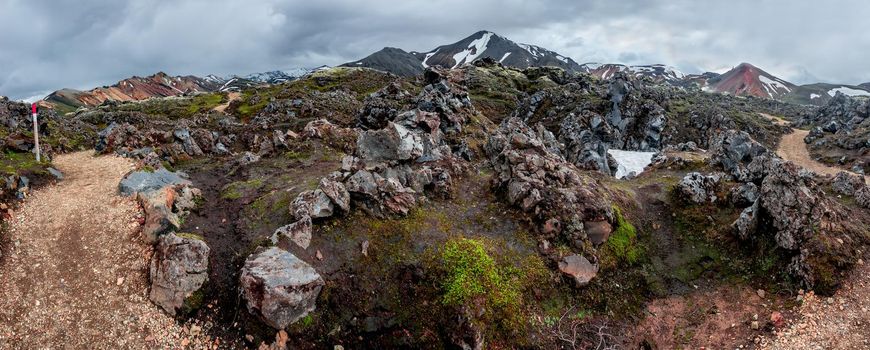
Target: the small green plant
(307, 321)
(623, 242)
(472, 273)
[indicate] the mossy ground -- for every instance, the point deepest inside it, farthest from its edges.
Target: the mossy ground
(17, 163)
(174, 108)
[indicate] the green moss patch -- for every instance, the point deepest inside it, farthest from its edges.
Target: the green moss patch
(239, 189)
(623, 243)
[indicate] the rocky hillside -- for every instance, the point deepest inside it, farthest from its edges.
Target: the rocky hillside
(840, 132)
(481, 206)
(477, 46)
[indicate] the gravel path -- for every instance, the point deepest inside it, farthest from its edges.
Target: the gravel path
(75, 276)
(232, 96)
(838, 322)
(794, 149)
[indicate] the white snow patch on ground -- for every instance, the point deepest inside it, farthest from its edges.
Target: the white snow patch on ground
(503, 57)
(814, 96)
(630, 161)
(848, 91)
(478, 46)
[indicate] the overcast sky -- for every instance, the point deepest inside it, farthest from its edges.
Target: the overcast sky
(46, 45)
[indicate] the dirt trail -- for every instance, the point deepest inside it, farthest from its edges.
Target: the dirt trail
(794, 149)
(232, 96)
(74, 275)
(838, 322)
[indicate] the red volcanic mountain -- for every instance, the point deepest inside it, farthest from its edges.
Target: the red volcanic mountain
(131, 89)
(749, 80)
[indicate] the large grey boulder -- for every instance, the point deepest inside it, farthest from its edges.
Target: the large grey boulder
(279, 287)
(395, 142)
(179, 268)
(795, 204)
(847, 184)
(145, 181)
(862, 196)
(698, 188)
(732, 149)
(187, 142)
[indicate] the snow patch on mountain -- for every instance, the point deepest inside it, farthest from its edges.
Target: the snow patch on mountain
(428, 56)
(848, 91)
(474, 50)
(592, 65)
(506, 54)
(814, 96)
(772, 86)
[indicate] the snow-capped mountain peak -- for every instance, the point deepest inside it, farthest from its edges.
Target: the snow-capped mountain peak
(474, 47)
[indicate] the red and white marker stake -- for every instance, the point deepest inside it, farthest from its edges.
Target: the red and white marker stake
(35, 131)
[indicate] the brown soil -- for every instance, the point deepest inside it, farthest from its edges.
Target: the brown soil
(794, 149)
(76, 274)
(716, 318)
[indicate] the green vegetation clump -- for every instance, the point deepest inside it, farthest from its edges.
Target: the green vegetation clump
(472, 274)
(623, 242)
(175, 108)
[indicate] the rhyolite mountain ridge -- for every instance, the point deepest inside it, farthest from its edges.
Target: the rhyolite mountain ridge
(743, 80)
(163, 85)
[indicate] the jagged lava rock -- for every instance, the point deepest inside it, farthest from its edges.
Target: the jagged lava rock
(698, 188)
(279, 287)
(179, 268)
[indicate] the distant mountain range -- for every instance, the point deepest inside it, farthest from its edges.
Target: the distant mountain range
(656, 72)
(743, 80)
(164, 85)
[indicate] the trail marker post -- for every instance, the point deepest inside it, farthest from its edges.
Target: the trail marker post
(35, 131)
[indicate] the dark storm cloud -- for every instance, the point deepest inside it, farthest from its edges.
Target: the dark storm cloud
(47, 45)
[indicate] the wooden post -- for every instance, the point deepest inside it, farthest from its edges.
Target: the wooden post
(35, 132)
